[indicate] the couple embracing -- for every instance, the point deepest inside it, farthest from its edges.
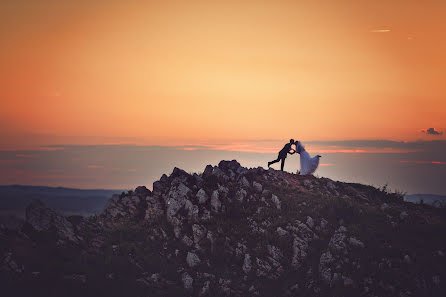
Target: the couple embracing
(308, 165)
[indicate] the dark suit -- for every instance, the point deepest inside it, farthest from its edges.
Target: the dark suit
(282, 155)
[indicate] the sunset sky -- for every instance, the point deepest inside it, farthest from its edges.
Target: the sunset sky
(232, 76)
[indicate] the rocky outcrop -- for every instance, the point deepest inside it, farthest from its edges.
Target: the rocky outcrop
(41, 218)
(233, 231)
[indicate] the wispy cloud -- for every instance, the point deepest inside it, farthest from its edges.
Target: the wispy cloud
(432, 131)
(422, 162)
(94, 166)
(380, 30)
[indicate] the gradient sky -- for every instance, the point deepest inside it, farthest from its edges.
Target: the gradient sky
(188, 71)
(220, 73)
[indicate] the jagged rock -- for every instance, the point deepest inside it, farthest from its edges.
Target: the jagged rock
(241, 195)
(179, 176)
(244, 182)
(407, 259)
(263, 267)
(176, 199)
(275, 252)
(161, 185)
(257, 187)
(331, 185)
(324, 223)
(215, 201)
(142, 191)
(307, 184)
(114, 209)
(229, 165)
(42, 218)
(205, 216)
(192, 210)
(176, 224)
(300, 248)
(223, 189)
(192, 259)
(199, 232)
(281, 231)
(337, 241)
(325, 262)
(355, 242)
(187, 280)
(154, 209)
(187, 241)
(202, 196)
(225, 286)
(304, 232)
(276, 201)
(247, 264)
(205, 289)
(207, 171)
(310, 222)
(220, 174)
(240, 249)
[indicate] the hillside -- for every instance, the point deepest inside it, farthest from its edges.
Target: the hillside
(231, 231)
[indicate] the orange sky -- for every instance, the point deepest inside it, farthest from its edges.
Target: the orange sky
(166, 72)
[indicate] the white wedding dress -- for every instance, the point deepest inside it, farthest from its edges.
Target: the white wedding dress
(308, 165)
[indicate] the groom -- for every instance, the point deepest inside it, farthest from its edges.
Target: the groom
(283, 154)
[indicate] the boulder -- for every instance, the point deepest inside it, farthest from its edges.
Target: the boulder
(215, 201)
(247, 264)
(187, 280)
(199, 232)
(192, 259)
(201, 196)
(176, 199)
(257, 187)
(276, 201)
(42, 218)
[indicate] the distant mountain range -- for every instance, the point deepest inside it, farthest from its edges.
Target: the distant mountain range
(14, 199)
(434, 200)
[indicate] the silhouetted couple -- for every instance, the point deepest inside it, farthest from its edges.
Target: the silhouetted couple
(308, 165)
(283, 154)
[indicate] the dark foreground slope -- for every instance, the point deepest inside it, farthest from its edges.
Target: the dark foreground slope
(231, 231)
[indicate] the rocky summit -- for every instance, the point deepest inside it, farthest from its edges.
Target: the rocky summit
(231, 231)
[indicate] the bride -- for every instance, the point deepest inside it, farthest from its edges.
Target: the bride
(308, 165)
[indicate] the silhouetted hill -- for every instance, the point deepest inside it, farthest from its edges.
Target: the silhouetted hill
(231, 231)
(14, 199)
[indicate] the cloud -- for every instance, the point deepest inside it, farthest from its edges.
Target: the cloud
(432, 131)
(380, 31)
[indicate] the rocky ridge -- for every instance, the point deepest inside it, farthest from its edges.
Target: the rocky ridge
(232, 231)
